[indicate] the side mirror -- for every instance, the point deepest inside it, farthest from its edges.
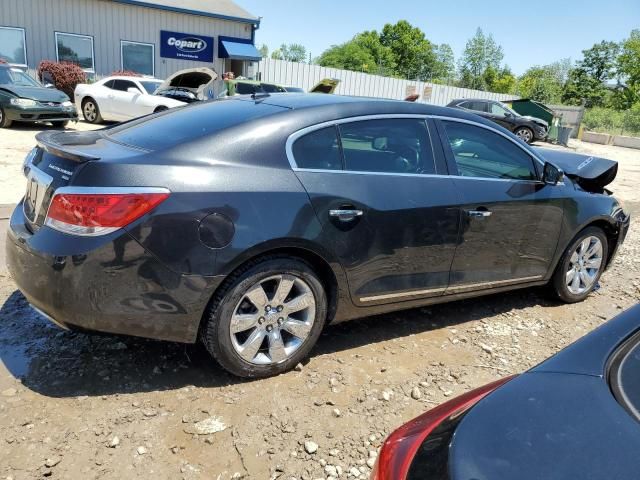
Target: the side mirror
(133, 90)
(551, 174)
(379, 143)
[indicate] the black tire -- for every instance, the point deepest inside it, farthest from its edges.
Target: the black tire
(4, 121)
(525, 133)
(216, 330)
(559, 279)
(87, 111)
(161, 108)
(62, 124)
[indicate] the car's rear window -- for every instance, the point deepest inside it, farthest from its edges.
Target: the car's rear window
(184, 124)
(625, 375)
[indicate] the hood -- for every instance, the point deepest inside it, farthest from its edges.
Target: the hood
(591, 173)
(327, 85)
(197, 80)
(536, 120)
(41, 94)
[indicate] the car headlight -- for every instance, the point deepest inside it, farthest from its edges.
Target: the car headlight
(67, 104)
(23, 102)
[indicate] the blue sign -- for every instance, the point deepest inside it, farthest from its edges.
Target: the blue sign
(185, 46)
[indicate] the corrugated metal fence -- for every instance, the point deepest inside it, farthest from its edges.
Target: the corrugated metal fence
(364, 84)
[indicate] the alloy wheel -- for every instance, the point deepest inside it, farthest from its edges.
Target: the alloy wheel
(584, 265)
(524, 134)
(273, 319)
(90, 111)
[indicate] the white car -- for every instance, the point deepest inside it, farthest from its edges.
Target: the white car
(121, 98)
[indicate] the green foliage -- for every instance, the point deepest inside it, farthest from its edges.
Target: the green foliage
(481, 55)
(545, 83)
(264, 51)
(413, 54)
(363, 53)
(293, 52)
(445, 66)
(609, 120)
(629, 71)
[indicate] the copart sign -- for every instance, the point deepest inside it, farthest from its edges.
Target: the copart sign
(186, 46)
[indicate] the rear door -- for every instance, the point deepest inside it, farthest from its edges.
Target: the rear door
(388, 210)
(511, 220)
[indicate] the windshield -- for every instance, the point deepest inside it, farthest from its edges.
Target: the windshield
(10, 76)
(149, 86)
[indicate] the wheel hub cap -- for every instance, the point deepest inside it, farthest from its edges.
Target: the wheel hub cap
(273, 319)
(584, 265)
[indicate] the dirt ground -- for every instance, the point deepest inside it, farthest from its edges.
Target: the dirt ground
(86, 406)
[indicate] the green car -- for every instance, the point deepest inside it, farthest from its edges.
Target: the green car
(23, 99)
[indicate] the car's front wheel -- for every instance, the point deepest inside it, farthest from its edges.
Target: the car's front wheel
(581, 265)
(267, 318)
(4, 121)
(525, 133)
(91, 111)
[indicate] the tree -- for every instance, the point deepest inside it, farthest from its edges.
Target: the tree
(504, 81)
(587, 81)
(363, 53)
(413, 54)
(264, 51)
(293, 52)
(480, 53)
(445, 67)
(629, 71)
(545, 83)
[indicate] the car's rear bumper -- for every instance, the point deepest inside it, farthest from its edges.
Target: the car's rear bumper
(41, 114)
(109, 284)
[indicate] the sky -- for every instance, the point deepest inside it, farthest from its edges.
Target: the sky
(530, 32)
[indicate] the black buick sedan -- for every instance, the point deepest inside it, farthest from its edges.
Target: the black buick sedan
(251, 223)
(574, 416)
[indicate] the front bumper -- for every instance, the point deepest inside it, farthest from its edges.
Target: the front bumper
(40, 114)
(623, 221)
(108, 284)
(540, 133)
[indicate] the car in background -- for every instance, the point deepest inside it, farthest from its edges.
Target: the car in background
(190, 85)
(250, 87)
(120, 98)
(23, 99)
(574, 416)
(527, 128)
(249, 223)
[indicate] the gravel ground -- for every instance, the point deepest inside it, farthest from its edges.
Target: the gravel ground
(88, 406)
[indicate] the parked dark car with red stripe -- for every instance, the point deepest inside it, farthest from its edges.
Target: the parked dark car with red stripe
(575, 415)
(251, 223)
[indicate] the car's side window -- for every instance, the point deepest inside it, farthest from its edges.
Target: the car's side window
(475, 105)
(393, 145)
(123, 85)
(479, 152)
(318, 150)
(245, 88)
(108, 84)
(497, 109)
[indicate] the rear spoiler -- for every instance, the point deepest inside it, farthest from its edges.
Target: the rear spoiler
(47, 141)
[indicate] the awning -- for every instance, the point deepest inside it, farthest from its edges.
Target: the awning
(239, 51)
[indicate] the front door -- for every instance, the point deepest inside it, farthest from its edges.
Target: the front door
(501, 115)
(389, 219)
(511, 220)
(121, 104)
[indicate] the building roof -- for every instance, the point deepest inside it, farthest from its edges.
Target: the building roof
(222, 9)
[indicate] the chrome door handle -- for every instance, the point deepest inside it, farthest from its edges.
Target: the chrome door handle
(479, 213)
(345, 215)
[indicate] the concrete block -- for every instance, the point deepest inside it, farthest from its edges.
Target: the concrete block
(629, 142)
(594, 137)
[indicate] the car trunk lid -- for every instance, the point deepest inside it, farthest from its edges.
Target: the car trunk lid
(54, 162)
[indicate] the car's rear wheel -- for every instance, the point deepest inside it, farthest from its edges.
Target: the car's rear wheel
(61, 124)
(91, 111)
(4, 121)
(267, 318)
(581, 265)
(525, 133)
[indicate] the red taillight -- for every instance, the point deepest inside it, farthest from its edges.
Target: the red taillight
(401, 446)
(99, 213)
